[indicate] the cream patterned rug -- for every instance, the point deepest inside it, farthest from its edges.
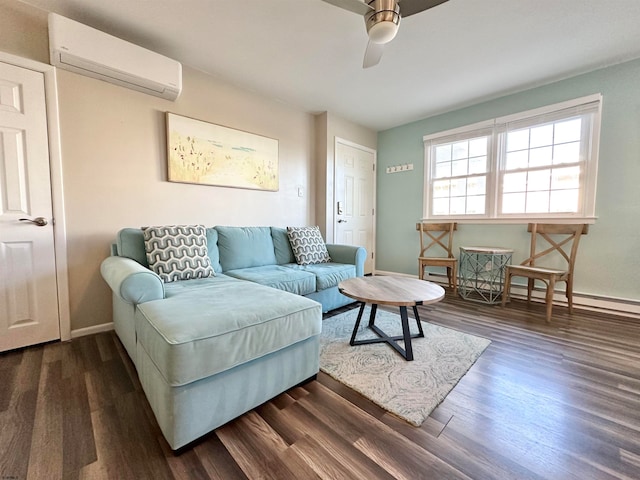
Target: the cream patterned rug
(410, 390)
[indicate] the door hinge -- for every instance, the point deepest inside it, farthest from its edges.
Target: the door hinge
(373, 211)
(371, 255)
(374, 167)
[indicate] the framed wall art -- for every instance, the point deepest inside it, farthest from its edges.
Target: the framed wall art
(208, 154)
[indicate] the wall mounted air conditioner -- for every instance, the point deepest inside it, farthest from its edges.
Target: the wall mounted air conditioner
(85, 50)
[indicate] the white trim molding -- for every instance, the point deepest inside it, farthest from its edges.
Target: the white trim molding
(81, 332)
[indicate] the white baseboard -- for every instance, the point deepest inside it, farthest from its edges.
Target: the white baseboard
(596, 303)
(81, 332)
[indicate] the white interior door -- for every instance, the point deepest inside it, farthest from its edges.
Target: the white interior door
(28, 288)
(355, 197)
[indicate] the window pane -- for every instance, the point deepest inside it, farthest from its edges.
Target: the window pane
(459, 187)
(515, 182)
(458, 205)
(564, 201)
(518, 140)
(461, 150)
(443, 170)
(568, 131)
(566, 153)
(478, 147)
(441, 188)
(542, 136)
(565, 178)
(538, 180)
(516, 160)
(443, 153)
(476, 186)
(540, 157)
(477, 165)
(537, 202)
(476, 204)
(459, 167)
(441, 206)
(513, 203)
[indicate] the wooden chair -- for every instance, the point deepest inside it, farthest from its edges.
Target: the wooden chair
(564, 237)
(438, 235)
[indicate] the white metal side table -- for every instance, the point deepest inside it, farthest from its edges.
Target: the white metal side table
(482, 273)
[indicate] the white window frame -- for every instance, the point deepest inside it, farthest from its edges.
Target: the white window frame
(498, 126)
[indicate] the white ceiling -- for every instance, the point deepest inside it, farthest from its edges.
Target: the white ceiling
(308, 54)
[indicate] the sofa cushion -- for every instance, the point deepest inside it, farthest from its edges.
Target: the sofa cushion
(244, 247)
(281, 245)
(130, 243)
(195, 335)
(327, 274)
(178, 288)
(275, 276)
(307, 245)
(178, 252)
(212, 249)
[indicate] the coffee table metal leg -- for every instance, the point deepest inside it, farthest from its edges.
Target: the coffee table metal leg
(407, 351)
(417, 317)
(372, 315)
(355, 329)
(406, 334)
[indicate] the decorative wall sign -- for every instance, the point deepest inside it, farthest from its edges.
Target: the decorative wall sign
(208, 154)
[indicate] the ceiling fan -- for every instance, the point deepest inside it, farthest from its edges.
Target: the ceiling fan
(382, 18)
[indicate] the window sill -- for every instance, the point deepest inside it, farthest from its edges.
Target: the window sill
(513, 220)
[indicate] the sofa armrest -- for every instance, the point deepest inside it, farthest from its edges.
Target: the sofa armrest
(130, 281)
(348, 254)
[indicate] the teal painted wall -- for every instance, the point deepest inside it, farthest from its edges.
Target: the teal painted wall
(608, 261)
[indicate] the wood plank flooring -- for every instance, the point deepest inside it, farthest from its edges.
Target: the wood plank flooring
(559, 401)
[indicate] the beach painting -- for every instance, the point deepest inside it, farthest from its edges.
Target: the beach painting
(209, 154)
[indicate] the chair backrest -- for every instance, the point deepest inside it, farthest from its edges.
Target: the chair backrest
(438, 235)
(565, 239)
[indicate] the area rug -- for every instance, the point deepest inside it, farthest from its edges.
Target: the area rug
(410, 390)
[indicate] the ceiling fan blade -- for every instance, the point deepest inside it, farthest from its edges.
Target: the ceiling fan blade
(372, 54)
(355, 6)
(410, 7)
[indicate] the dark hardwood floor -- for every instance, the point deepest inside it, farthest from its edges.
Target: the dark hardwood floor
(559, 401)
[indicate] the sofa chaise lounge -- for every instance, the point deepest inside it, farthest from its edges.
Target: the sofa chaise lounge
(210, 349)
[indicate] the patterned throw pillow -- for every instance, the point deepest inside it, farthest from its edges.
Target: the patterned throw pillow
(307, 245)
(178, 252)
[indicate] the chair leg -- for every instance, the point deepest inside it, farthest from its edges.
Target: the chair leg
(506, 289)
(569, 293)
(549, 297)
(420, 271)
(450, 277)
(530, 284)
(455, 279)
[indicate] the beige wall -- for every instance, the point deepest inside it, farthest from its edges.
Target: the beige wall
(114, 161)
(23, 31)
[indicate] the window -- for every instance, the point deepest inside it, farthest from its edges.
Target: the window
(536, 164)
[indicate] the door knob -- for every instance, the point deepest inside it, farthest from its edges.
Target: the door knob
(39, 221)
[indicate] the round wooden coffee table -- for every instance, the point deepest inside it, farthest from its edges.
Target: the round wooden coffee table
(402, 292)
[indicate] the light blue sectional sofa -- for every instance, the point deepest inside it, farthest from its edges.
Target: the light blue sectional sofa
(208, 350)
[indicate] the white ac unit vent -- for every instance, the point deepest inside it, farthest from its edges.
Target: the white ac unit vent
(85, 50)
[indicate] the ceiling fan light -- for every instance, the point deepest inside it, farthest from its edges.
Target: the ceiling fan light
(383, 32)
